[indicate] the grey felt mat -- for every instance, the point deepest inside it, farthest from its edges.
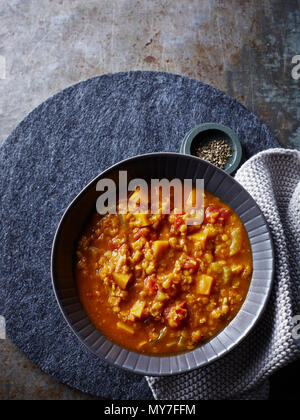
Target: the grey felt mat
(49, 158)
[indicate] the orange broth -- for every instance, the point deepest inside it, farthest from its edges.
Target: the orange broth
(156, 286)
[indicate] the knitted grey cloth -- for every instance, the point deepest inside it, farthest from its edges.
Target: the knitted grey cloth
(272, 177)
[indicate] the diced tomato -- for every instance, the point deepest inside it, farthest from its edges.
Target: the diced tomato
(191, 264)
(174, 315)
(215, 214)
(211, 214)
(150, 285)
(181, 308)
(225, 213)
(178, 221)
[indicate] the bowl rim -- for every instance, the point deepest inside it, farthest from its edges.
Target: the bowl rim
(235, 342)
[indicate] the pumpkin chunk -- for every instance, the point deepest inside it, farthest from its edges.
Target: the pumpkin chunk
(217, 266)
(159, 247)
(137, 309)
(122, 279)
(199, 238)
(236, 243)
(125, 327)
(204, 284)
(226, 274)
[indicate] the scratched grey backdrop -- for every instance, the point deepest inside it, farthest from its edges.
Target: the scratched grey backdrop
(243, 47)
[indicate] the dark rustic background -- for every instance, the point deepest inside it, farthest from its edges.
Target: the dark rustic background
(242, 47)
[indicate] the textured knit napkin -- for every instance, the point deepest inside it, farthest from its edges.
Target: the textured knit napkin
(272, 177)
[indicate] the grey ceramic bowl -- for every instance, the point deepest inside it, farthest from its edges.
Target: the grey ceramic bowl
(163, 165)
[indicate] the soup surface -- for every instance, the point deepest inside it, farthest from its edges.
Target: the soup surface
(154, 285)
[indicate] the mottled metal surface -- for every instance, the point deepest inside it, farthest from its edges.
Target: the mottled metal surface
(20, 379)
(244, 48)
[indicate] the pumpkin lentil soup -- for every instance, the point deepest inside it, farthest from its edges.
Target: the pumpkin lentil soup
(154, 285)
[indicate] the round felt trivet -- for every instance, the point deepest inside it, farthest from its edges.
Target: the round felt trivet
(44, 164)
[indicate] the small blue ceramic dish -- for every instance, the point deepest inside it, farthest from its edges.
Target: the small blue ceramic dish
(204, 133)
